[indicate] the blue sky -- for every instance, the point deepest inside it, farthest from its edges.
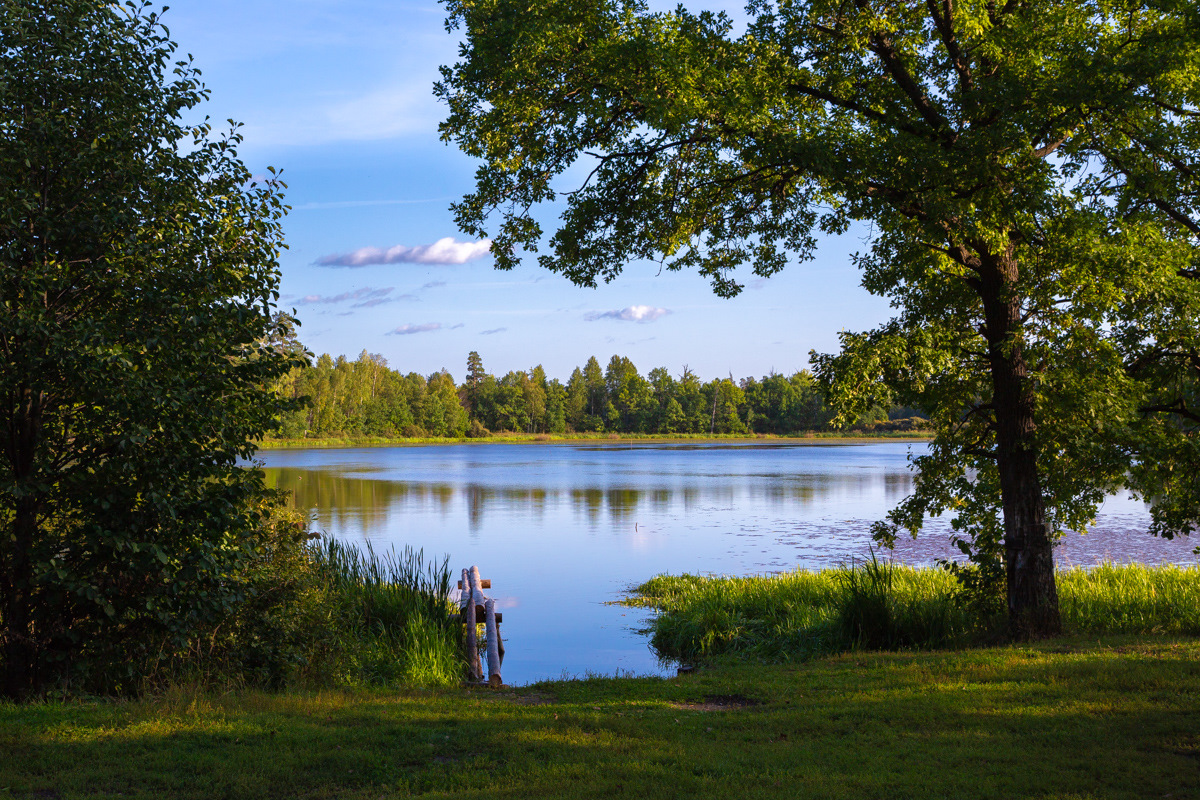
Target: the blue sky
(337, 94)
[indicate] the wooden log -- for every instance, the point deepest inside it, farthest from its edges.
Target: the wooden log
(493, 646)
(480, 615)
(471, 643)
(486, 583)
(476, 586)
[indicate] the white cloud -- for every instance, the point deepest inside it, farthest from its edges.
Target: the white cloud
(629, 314)
(443, 251)
(409, 328)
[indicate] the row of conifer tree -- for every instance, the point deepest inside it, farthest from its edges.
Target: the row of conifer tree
(365, 397)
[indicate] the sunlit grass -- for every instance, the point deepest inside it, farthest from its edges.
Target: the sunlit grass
(801, 614)
(1131, 598)
(395, 618)
(1116, 718)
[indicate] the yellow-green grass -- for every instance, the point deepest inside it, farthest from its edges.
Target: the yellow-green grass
(1072, 718)
(528, 438)
(797, 615)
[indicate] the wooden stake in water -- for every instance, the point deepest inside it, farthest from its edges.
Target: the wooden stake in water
(493, 645)
(474, 669)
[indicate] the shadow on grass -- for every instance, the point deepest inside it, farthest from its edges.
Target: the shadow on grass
(1089, 721)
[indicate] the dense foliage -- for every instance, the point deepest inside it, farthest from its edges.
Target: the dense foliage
(1028, 171)
(365, 397)
(138, 269)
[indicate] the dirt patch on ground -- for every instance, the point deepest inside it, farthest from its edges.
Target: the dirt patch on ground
(533, 699)
(720, 702)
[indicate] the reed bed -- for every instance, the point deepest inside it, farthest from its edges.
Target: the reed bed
(1131, 598)
(393, 614)
(878, 605)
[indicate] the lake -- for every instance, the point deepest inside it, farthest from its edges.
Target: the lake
(563, 529)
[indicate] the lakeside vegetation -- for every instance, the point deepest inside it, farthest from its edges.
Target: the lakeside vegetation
(878, 605)
(1112, 717)
(365, 399)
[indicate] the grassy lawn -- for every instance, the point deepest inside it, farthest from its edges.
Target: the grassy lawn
(1070, 718)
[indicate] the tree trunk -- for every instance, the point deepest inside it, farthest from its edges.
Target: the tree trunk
(16, 569)
(17, 586)
(1029, 550)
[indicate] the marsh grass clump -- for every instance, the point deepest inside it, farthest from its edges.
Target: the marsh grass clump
(879, 605)
(1131, 598)
(882, 606)
(393, 616)
(797, 615)
(318, 613)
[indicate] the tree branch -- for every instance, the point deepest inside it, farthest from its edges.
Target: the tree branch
(945, 25)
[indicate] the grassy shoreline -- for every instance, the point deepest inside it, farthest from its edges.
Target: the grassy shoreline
(794, 616)
(600, 438)
(1071, 718)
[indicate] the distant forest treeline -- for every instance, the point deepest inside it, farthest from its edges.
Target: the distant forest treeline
(365, 397)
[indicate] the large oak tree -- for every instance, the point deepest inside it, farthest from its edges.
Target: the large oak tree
(981, 140)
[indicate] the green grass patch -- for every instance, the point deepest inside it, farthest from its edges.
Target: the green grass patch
(877, 605)
(394, 615)
(324, 614)
(1064, 719)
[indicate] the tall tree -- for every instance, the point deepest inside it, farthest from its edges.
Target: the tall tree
(960, 131)
(475, 376)
(138, 276)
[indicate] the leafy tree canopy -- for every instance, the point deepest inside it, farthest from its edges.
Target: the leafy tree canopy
(138, 276)
(1028, 170)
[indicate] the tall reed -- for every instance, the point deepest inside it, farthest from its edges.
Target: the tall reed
(1131, 598)
(394, 614)
(879, 605)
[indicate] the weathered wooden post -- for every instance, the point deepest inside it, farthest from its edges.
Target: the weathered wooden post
(493, 645)
(477, 608)
(474, 669)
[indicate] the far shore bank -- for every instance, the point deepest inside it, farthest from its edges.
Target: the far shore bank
(599, 438)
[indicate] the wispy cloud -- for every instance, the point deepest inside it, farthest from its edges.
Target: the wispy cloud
(493, 330)
(629, 314)
(375, 301)
(409, 328)
(367, 296)
(433, 284)
(384, 112)
(443, 251)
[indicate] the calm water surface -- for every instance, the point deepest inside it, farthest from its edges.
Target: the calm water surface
(563, 529)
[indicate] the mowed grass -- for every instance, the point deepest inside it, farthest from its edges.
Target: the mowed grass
(1072, 718)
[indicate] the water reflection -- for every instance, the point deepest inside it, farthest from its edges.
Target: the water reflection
(561, 529)
(368, 502)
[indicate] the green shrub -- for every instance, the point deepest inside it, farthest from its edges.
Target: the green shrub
(318, 613)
